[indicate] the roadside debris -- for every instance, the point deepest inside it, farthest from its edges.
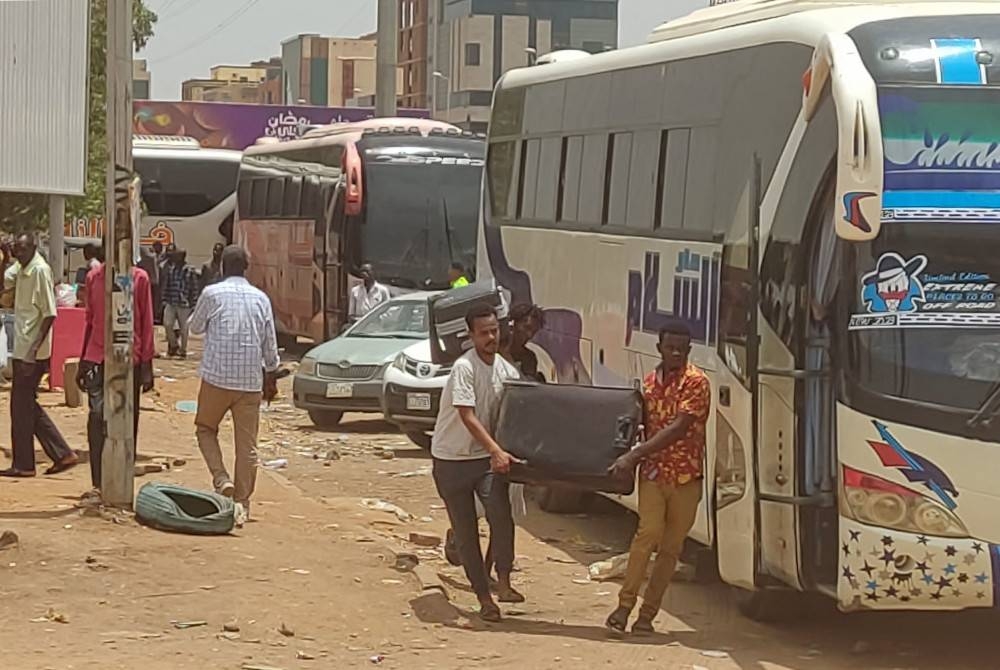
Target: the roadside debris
(51, 616)
(231, 626)
(186, 406)
(406, 562)
(613, 568)
(383, 506)
(276, 464)
(304, 656)
(285, 630)
(8, 539)
(425, 539)
(183, 625)
(377, 658)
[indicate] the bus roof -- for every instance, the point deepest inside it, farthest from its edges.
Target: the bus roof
(741, 24)
(343, 133)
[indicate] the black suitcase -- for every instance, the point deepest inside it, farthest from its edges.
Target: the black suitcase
(569, 435)
(449, 335)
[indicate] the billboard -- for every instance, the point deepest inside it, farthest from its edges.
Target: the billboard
(223, 125)
(43, 80)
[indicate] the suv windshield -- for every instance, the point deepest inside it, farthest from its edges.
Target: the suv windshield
(402, 320)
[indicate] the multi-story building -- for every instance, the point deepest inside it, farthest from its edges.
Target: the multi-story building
(141, 79)
(233, 83)
(327, 71)
(473, 42)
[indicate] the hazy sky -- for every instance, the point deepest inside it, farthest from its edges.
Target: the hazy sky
(194, 35)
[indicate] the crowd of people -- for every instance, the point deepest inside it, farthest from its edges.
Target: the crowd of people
(239, 370)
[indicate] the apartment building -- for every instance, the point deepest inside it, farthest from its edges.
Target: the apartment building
(473, 42)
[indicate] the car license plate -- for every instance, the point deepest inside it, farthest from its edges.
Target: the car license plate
(339, 390)
(420, 402)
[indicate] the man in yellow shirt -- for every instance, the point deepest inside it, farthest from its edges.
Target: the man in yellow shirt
(456, 275)
(34, 314)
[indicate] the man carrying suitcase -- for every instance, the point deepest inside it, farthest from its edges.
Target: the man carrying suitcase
(677, 398)
(468, 463)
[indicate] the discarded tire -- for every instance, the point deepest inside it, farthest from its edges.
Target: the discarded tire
(180, 510)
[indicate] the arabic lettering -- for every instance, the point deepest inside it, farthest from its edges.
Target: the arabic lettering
(285, 126)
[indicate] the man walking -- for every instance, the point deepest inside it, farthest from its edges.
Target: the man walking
(90, 377)
(367, 296)
(180, 293)
(211, 272)
(237, 370)
(34, 314)
(677, 399)
(468, 463)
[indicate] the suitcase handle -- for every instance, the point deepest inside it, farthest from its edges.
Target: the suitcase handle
(625, 428)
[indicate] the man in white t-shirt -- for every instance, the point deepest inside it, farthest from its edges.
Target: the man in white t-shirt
(367, 296)
(468, 463)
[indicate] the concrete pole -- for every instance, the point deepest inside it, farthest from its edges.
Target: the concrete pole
(57, 219)
(118, 464)
(386, 59)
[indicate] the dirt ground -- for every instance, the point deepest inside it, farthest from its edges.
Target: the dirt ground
(311, 583)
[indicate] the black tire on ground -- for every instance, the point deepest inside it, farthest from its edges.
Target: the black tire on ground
(767, 605)
(325, 418)
(561, 500)
(420, 438)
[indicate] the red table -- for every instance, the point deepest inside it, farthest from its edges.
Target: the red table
(67, 341)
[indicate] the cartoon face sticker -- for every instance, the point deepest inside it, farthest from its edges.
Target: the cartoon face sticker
(894, 285)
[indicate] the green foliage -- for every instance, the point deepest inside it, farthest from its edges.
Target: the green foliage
(20, 212)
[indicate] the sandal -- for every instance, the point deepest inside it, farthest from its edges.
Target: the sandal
(618, 621)
(490, 613)
(11, 472)
(508, 595)
(63, 465)
(643, 626)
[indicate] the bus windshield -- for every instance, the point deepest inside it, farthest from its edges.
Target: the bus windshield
(926, 314)
(421, 215)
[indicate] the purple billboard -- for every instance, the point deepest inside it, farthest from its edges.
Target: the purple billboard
(222, 125)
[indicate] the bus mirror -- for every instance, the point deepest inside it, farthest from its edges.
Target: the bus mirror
(837, 62)
(355, 186)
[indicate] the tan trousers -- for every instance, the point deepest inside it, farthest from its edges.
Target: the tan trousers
(213, 403)
(666, 514)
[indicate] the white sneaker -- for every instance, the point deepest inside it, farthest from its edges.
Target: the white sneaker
(226, 489)
(241, 515)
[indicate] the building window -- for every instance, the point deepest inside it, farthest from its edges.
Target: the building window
(473, 54)
(594, 47)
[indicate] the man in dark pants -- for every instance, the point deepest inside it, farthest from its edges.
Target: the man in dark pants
(34, 314)
(90, 377)
(468, 463)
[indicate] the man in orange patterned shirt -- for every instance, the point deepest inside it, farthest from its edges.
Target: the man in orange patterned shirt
(677, 398)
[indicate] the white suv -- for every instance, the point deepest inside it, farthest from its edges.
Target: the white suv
(411, 392)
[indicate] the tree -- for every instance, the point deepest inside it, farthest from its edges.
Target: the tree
(20, 212)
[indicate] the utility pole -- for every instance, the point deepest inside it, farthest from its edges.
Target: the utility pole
(386, 59)
(118, 464)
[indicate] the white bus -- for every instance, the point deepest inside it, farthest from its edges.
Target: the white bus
(189, 193)
(815, 188)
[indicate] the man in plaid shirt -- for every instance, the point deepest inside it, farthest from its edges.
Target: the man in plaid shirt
(237, 371)
(180, 294)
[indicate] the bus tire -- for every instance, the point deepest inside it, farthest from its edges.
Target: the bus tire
(561, 500)
(325, 418)
(766, 605)
(420, 438)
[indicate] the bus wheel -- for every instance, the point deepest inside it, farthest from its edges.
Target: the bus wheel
(561, 500)
(766, 605)
(420, 438)
(325, 418)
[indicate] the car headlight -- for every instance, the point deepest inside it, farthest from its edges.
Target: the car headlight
(400, 362)
(878, 502)
(307, 366)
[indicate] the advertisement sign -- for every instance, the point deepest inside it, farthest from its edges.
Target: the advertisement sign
(221, 125)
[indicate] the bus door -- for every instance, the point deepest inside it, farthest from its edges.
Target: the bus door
(335, 270)
(737, 514)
